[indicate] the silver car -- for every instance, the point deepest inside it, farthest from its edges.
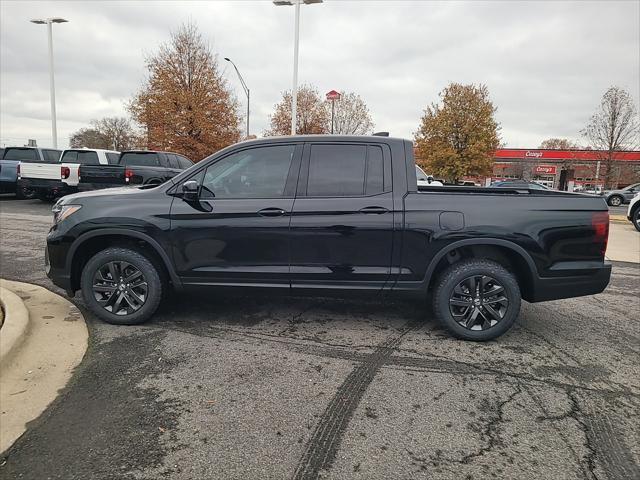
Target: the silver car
(616, 198)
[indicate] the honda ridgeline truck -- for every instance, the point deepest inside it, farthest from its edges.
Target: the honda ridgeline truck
(323, 215)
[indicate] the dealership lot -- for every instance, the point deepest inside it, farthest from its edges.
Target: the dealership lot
(281, 388)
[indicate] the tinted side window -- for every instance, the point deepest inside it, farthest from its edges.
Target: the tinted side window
(141, 159)
(173, 160)
(184, 162)
(113, 158)
(52, 156)
(259, 172)
(22, 154)
(336, 170)
(375, 172)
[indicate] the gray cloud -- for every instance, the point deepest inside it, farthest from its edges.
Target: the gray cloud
(546, 63)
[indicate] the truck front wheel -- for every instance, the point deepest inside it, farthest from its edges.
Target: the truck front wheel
(121, 286)
(476, 299)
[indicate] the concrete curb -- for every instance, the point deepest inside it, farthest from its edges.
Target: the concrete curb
(15, 325)
(618, 219)
(43, 357)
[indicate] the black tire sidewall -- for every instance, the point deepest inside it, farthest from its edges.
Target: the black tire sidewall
(611, 199)
(458, 272)
(635, 219)
(150, 272)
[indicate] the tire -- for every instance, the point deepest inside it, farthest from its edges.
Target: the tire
(119, 298)
(615, 200)
(454, 285)
(635, 218)
(23, 193)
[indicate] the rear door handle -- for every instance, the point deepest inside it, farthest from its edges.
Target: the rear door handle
(374, 210)
(271, 212)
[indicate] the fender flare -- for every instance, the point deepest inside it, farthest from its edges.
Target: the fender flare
(480, 241)
(124, 232)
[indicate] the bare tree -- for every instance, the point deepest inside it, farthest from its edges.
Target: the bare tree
(559, 144)
(351, 115)
(111, 133)
(614, 127)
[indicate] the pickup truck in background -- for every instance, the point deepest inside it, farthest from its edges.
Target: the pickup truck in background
(15, 159)
(135, 167)
(50, 181)
(324, 215)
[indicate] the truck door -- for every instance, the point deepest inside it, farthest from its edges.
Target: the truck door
(342, 223)
(237, 233)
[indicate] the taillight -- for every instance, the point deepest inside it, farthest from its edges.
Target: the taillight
(600, 224)
(65, 172)
(128, 174)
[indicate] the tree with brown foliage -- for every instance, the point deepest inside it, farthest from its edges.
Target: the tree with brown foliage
(312, 116)
(559, 144)
(109, 133)
(458, 136)
(351, 116)
(614, 127)
(185, 105)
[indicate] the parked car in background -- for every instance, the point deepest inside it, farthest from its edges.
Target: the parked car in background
(15, 159)
(633, 212)
(52, 180)
(425, 180)
(322, 215)
(616, 198)
(519, 184)
(134, 167)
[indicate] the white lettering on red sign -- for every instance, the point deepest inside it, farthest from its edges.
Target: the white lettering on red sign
(533, 154)
(546, 169)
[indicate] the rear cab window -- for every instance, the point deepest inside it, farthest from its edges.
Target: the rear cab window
(112, 158)
(347, 170)
(140, 159)
(83, 157)
(21, 154)
(51, 156)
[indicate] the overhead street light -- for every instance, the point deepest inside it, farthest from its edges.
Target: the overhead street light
(296, 43)
(244, 86)
(49, 22)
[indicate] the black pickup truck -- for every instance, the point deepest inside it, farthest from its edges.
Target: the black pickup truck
(325, 215)
(134, 167)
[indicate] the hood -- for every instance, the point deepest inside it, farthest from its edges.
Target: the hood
(105, 192)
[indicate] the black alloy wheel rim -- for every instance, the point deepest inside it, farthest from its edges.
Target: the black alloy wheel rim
(478, 302)
(120, 288)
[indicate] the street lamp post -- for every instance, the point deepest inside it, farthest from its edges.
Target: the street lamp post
(244, 87)
(49, 22)
(296, 43)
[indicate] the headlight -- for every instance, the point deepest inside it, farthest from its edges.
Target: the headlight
(60, 212)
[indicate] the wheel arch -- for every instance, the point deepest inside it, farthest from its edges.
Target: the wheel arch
(515, 258)
(87, 244)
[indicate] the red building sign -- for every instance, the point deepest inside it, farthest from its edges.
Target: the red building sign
(545, 169)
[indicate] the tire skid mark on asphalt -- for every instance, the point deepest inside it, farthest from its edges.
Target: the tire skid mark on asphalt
(425, 363)
(325, 441)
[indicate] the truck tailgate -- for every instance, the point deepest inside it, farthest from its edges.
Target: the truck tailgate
(49, 171)
(104, 175)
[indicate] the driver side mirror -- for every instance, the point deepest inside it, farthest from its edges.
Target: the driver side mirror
(190, 191)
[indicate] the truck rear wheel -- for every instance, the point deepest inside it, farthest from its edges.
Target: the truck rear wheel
(476, 299)
(121, 286)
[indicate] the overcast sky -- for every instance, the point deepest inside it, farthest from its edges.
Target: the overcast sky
(546, 63)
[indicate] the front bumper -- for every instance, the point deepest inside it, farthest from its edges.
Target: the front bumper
(55, 265)
(594, 279)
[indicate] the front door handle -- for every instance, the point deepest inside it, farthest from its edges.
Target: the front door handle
(271, 212)
(374, 210)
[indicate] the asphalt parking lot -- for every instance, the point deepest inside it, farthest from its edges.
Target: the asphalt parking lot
(243, 388)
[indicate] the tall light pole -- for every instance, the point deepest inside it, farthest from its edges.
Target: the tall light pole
(244, 86)
(49, 22)
(296, 43)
